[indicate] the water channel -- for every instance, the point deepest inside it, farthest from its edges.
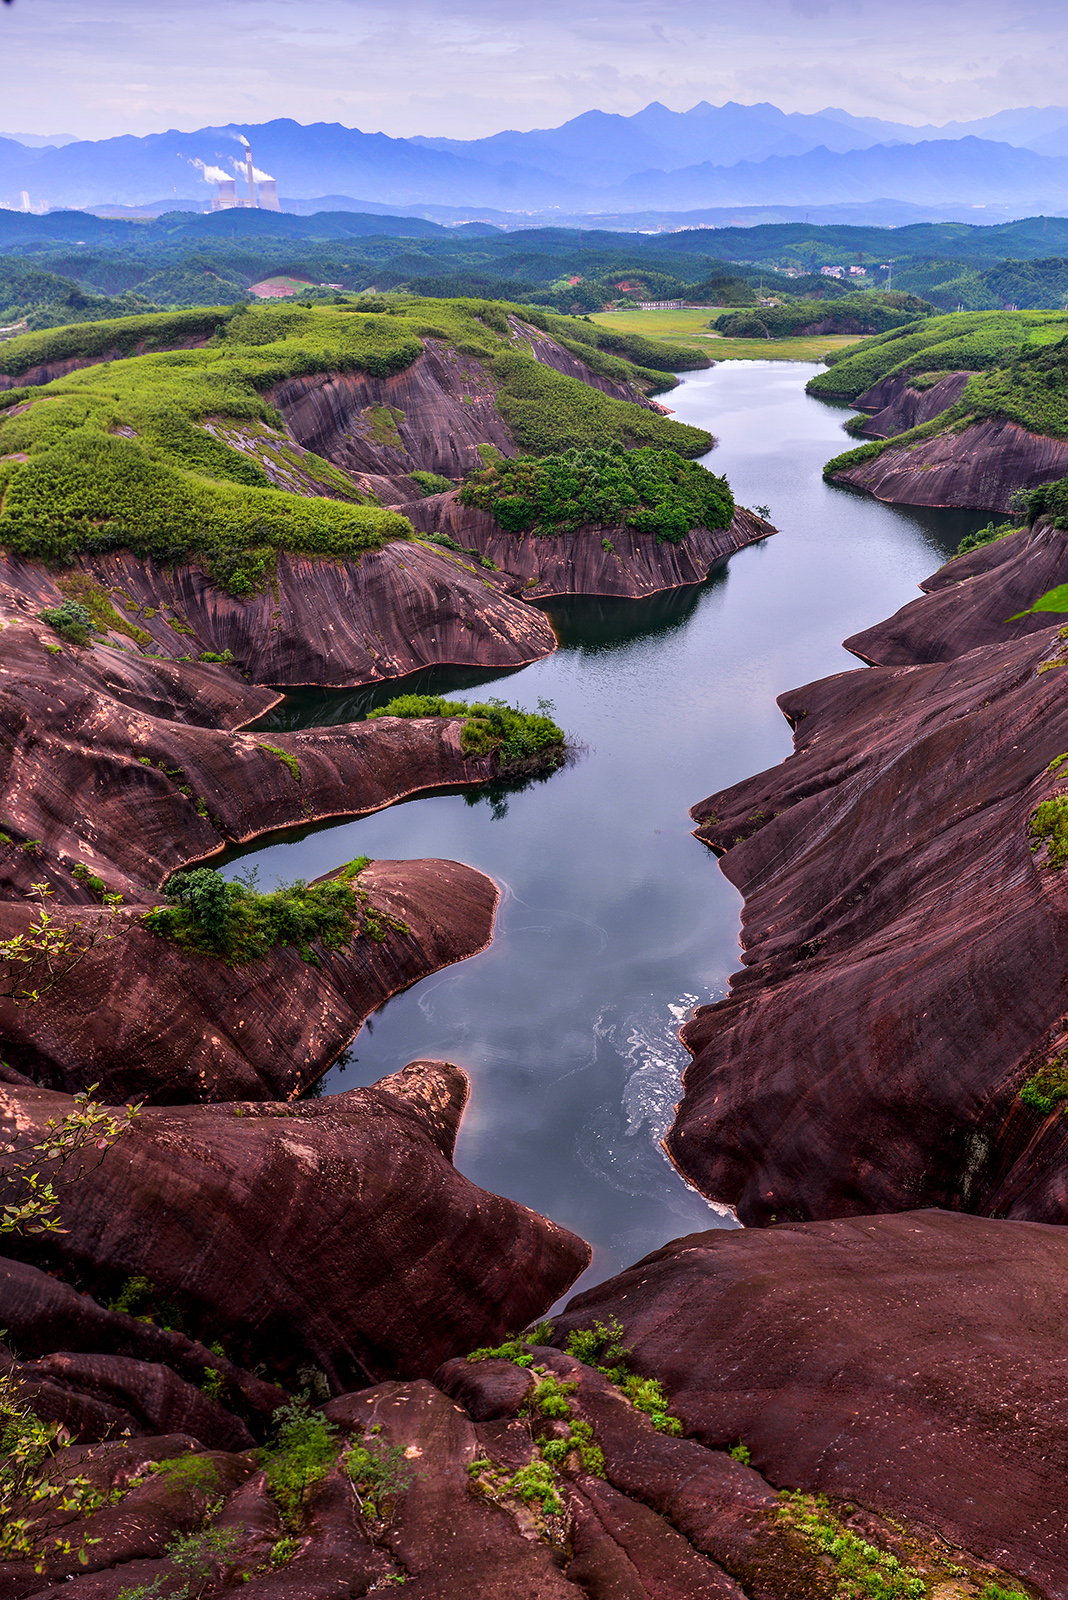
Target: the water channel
(614, 921)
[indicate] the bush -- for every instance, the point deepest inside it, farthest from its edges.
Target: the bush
(983, 536)
(525, 739)
(431, 483)
(301, 1455)
(232, 920)
(652, 491)
(70, 620)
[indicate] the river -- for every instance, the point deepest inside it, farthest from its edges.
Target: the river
(614, 920)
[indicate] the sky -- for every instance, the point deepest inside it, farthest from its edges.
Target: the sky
(97, 68)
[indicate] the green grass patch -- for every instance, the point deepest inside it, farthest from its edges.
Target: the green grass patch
(1048, 1088)
(233, 921)
(96, 602)
(983, 536)
(862, 1571)
(653, 491)
(548, 413)
(526, 740)
(431, 483)
(965, 341)
(1049, 827)
(286, 758)
(303, 1451)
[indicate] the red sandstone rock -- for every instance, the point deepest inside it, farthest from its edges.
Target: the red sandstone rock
(333, 624)
(577, 563)
(896, 406)
(335, 1232)
(970, 601)
(146, 1020)
(913, 1363)
(904, 952)
(981, 466)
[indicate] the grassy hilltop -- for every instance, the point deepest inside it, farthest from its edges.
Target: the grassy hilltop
(117, 454)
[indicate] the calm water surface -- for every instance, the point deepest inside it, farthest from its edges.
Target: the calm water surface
(614, 921)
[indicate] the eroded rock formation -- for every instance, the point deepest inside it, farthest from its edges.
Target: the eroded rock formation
(904, 947)
(335, 1232)
(980, 466)
(906, 1363)
(631, 566)
(896, 406)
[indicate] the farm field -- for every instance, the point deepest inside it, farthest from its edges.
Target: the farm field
(690, 331)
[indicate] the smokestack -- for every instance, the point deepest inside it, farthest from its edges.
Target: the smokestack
(250, 169)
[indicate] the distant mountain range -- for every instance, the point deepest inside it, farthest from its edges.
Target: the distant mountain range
(598, 163)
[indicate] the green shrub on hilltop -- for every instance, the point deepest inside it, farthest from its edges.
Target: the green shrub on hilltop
(652, 491)
(233, 920)
(960, 342)
(116, 454)
(875, 311)
(523, 738)
(548, 412)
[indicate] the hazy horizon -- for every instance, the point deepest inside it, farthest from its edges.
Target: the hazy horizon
(101, 68)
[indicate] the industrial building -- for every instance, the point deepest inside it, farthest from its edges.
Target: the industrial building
(262, 188)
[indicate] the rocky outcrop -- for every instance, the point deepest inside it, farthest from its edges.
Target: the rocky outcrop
(903, 950)
(975, 599)
(905, 1363)
(544, 348)
(632, 566)
(332, 624)
(979, 465)
(897, 406)
(132, 797)
(335, 1232)
(431, 417)
(646, 1513)
(145, 1019)
(49, 371)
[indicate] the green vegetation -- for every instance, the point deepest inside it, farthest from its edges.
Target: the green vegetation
(548, 413)
(1049, 826)
(871, 311)
(30, 1201)
(288, 760)
(30, 1491)
(861, 1570)
(118, 455)
(298, 1459)
(70, 620)
(983, 536)
(198, 1556)
(431, 483)
(652, 491)
(740, 1452)
(602, 1347)
(1048, 1087)
(964, 342)
(379, 1474)
(96, 601)
(232, 920)
(525, 740)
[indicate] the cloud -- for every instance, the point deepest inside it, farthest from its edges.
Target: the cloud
(471, 68)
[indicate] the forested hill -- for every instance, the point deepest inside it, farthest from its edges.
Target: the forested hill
(73, 266)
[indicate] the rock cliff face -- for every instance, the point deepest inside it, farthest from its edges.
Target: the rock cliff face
(897, 406)
(336, 1232)
(578, 563)
(971, 601)
(900, 1362)
(48, 371)
(980, 466)
(431, 417)
(903, 946)
(145, 1019)
(330, 624)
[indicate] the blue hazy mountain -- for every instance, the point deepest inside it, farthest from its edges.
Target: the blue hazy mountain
(658, 159)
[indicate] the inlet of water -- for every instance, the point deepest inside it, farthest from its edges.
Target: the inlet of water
(614, 921)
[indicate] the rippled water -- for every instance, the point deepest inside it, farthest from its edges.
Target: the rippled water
(614, 921)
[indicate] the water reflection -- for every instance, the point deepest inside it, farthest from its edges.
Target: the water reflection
(614, 921)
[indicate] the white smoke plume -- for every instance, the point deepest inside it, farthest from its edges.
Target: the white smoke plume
(211, 174)
(242, 171)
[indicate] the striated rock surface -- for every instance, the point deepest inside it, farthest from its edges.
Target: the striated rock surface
(335, 1232)
(333, 624)
(48, 371)
(980, 466)
(144, 1019)
(970, 601)
(134, 796)
(904, 951)
(578, 563)
(897, 406)
(911, 1363)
